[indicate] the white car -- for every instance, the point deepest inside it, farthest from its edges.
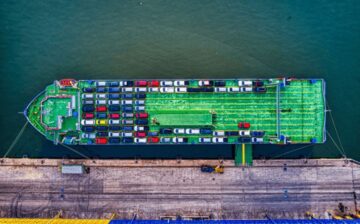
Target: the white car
(165, 140)
(127, 89)
(219, 140)
(123, 83)
(218, 133)
(114, 102)
(140, 140)
(192, 131)
(178, 140)
(129, 122)
(139, 102)
(205, 83)
(205, 140)
(181, 83)
(244, 133)
(220, 89)
(179, 130)
(181, 89)
(87, 96)
(140, 108)
(233, 89)
(166, 83)
(100, 83)
(101, 102)
(246, 89)
(153, 89)
(88, 122)
(257, 140)
(245, 83)
(111, 121)
(127, 115)
(139, 128)
(140, 89)
(88, 135)
(114, 134)
(126, 102)
(167, 89)
(101, 96)
(126, 134)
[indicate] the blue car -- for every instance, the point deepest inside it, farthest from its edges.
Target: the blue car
(257, 133)
(102, 134)
(114, 89)
(153, 133)
(114, 96)
(114, 128)
(113, 84)
(127, 108)
(127, 96)
(205, 131)
(88, 108)
(101, 89)
(166, 131)
(101, 115)
(127, 128)
(114, 108)
(88, 129)
(101, 128)
(141, 122)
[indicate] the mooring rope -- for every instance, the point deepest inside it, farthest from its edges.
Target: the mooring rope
(333, 121)
(74, 150)
(17, 138)
(336, 145)
(291, 151)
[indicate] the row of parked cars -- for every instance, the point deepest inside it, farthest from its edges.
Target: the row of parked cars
(208, 131)
(168, 140)
(157, 83)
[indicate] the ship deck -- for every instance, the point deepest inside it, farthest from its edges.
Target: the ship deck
(296, 111)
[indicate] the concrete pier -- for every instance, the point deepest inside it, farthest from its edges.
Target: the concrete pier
(154, 189)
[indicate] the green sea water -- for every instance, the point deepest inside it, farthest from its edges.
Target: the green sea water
(41, 41)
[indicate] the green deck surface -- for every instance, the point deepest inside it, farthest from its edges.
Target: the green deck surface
(182, 119)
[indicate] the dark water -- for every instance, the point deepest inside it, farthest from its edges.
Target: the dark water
(45, 40)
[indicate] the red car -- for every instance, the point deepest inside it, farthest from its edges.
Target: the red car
(153, 139)
(140, 134)
(88, 115)
(101, 141)
(140, 83)
(154, 83)
(101, 108)
(245, 125)
(142, 115)
(114, 116)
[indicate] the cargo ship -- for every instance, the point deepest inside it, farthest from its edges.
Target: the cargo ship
(231, 111)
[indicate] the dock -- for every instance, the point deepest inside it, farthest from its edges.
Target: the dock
(168, 189)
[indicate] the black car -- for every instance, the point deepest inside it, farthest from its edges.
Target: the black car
(102, 134)
(166, 131)
(88, 90)
(114, 140)
(140, 96)
(219, 83)
(127, 140)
